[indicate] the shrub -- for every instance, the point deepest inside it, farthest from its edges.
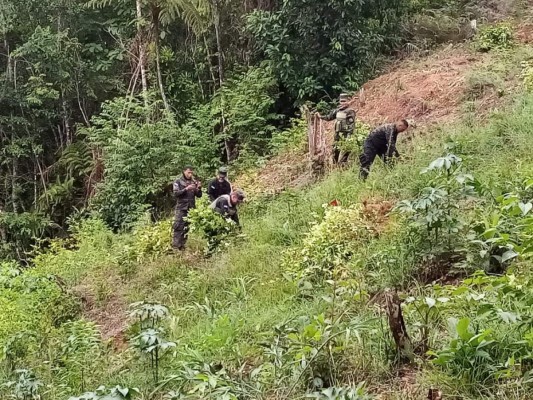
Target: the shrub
(527, 75)
(354, 143)
(142, 150)
(480, 83)
(329, 243)
(215, 228)
(492, 37)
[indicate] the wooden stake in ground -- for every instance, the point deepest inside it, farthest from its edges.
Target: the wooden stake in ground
(397, 325)
(434, 394)
(317, 143)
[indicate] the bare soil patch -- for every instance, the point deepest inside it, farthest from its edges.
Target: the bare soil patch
(109, 314)
(427, 92)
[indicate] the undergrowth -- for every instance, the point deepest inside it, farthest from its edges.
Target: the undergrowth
(295, 308)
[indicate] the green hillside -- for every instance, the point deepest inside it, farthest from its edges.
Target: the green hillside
(414, 284)
(297, 304)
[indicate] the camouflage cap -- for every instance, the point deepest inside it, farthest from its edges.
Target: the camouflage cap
(223, 171)
(344, 97)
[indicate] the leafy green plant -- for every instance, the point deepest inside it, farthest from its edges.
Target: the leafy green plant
(199, 380)
(26, 387)
(498, 36)
(436, 208)
(152, 342)
(148, 315)
(505, 233)
(328, 245)
(150, 339)
(341, 393)
(354, 143)
(216, 229)
(152, 240)
(427, 312)
(79, 350)
(292, 138)
(469, 354)
(116, 393)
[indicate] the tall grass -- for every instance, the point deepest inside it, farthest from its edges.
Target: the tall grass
(224, 308)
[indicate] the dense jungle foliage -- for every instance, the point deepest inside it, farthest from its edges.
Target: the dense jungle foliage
(104, 101)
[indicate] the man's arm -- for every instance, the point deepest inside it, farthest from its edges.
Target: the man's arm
(235, 218)
(391, 144)
(211, 191)
(178, 189)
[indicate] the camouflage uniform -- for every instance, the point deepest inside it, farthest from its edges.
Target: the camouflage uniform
(381, 142)
(185, 201)
(344, 117)
(224, 207)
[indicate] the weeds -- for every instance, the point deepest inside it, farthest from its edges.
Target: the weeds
(294, 309)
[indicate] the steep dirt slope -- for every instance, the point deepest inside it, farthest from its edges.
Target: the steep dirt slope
(427, 90)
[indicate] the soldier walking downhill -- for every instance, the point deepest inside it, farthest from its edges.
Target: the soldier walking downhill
(381, 142)
(186, 190)
(344, 117)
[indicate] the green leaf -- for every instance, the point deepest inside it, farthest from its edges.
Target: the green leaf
(525, 208)
(430, 302)
(462, 329)
(508, 317)
(509, 255)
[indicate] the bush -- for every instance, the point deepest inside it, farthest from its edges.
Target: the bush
(480, 83)
(493, 37)
(329, 243)
(527, 75)
(143, 149)
(354, 143)
(215, 228)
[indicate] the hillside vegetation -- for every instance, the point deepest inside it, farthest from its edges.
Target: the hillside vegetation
(305, 301)
(296, 304)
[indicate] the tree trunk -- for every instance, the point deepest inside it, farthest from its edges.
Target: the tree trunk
(14, 180)
(155, 27)
(209, 63)
(220, 51)
(142, 50)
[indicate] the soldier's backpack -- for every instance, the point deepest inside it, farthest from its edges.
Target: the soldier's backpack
(345, 121)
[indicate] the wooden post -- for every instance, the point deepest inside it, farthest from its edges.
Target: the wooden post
(397, 325)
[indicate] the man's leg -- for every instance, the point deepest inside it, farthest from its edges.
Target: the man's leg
(336, 150)
(366, 159)
(345, 157)
(180, 227)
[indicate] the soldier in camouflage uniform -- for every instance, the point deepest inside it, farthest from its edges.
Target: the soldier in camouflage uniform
(344, 117)
(226, 205)
(381, 142)
(186, 189)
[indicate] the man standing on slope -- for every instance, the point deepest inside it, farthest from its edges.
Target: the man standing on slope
(219, 185)
(344, 117)
(381, 142)
(226, 205)
(186, 189)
